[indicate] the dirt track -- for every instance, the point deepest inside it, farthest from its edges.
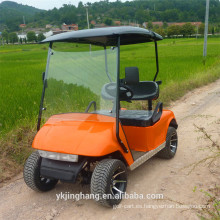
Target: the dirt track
(200, 107)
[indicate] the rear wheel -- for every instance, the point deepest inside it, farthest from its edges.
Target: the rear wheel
(171, 144)
(32, 176)
(109, 182)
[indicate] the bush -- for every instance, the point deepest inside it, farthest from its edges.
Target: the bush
(13, 37)
(40, 37)
(187, 29)
(31, 36)
(108, 21)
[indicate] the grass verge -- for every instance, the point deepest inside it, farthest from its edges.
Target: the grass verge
(15, 148)
(174, 90)
(212, 194)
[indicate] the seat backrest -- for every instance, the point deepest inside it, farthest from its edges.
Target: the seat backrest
(144, 90)
(131, 76)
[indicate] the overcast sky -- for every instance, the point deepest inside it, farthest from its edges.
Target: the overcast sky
(49, 4)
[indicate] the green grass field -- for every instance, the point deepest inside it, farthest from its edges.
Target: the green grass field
(21, 67)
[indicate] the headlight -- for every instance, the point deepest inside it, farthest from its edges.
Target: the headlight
(58, 156)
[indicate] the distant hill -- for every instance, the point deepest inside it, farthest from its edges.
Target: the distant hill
(109, 13)
(11, 14)
(136, 11)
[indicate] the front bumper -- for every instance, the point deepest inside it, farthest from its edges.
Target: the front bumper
(61, 170)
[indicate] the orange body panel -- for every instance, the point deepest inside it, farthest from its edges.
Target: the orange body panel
(94, 135)
(81, 134)
(149, 138)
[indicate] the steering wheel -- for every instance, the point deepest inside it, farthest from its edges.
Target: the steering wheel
(125, 93)
(109, 92)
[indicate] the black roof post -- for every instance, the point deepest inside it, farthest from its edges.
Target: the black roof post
(44, 87)
(118, 99)
(157, 62)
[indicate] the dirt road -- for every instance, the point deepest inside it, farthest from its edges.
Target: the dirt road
(200, 107)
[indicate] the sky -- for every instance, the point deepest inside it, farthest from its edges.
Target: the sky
(49, 4)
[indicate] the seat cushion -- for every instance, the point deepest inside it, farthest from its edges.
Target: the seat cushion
(145, 90)
(138, 118)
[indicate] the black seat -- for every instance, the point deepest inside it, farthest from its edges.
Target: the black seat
(141, 118)
(144, 90)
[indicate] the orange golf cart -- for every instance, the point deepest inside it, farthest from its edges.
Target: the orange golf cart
(86, 134)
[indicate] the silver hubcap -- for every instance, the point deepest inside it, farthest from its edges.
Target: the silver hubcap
(118, 183)
(44, 180)
(173, 142)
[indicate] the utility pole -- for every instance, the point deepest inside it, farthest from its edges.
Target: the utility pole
(87, 16)
(206, 29)
(23, 27)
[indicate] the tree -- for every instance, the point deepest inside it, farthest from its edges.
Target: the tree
(156, 26)
(31, 36)
(80, 5)
(187, 29)
(150, 25)
(5, 36)
(201, 28)
(173, 30)
(40, 37)
(160, 31)
(165, 25)
(140, 15)
(190, 29)
(21, 41)
(13, 37)
(108, 21)
(213, 30)
(171, 15)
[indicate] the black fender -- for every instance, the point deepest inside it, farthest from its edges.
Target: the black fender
(173, 123)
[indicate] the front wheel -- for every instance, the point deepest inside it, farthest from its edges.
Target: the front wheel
(109, 182)
(32, 176)
(171, 144)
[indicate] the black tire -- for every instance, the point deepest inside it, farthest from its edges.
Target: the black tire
(103, 182)
(32, 176)
(171, 144)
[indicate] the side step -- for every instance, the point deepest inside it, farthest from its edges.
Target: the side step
(146, 156)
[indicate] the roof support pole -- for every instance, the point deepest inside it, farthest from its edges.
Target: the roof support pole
(157, 62)
(44, 86)
(118, 99)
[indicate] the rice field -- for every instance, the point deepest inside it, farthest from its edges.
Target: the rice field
(181, 69)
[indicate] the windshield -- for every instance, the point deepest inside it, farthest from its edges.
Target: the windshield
(76, 80)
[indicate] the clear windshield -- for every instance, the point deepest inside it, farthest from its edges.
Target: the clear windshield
(75, 79)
